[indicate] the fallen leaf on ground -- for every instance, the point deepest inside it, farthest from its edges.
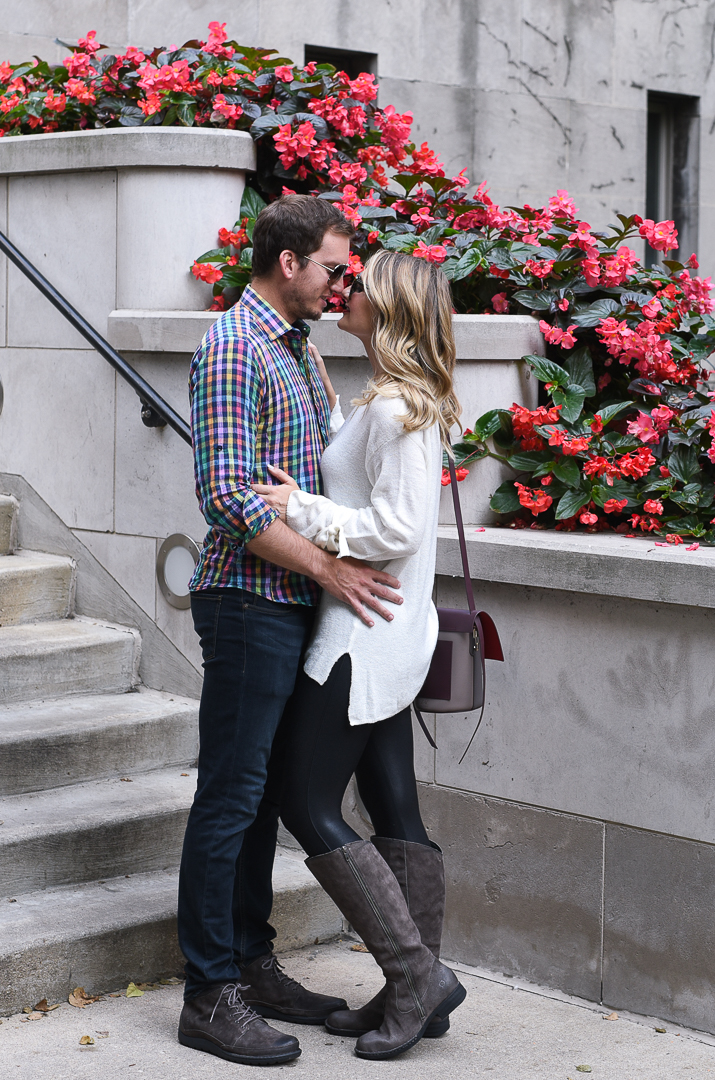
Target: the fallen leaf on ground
(134, 991)
(34, 1016)
(359, 947)
(661, 1031)
(43, 1007)
(184, 774)
(173, 981)
(583, 1068)
(86, 1040)
(126, 779)
(79, 998)
(27, 1009)
(610, 1016)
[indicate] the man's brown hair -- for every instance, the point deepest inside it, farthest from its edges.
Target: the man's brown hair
(294, 223)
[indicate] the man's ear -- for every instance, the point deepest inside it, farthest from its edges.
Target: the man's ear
(289, 264)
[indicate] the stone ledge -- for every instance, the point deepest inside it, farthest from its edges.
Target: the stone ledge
(601, 564)
(478, 337)
(113, 148)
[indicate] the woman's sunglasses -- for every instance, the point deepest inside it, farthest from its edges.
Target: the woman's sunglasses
(357, 285)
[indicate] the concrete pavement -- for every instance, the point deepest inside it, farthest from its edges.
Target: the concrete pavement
(503, 1030)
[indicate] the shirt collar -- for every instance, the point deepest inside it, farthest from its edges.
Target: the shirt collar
(269, 319)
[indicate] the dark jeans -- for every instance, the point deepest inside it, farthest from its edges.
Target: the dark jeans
(324, 751)
(252, 649)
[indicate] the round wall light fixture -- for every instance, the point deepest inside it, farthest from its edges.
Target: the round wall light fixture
(175, 564)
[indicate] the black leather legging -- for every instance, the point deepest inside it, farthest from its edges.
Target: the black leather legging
(323, 752)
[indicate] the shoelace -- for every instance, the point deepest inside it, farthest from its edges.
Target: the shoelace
(272, 963)
(240, 1013)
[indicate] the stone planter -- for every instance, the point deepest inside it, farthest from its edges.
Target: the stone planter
(136, 204)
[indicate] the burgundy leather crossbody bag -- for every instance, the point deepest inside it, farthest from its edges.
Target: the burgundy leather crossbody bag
(456, 680)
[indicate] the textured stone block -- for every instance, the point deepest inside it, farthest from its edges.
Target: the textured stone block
(658, 936)
(523, 889)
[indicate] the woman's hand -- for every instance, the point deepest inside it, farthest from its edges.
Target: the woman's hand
(320, 364)
(277, 495)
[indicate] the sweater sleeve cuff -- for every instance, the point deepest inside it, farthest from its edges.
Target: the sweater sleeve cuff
(319, 520)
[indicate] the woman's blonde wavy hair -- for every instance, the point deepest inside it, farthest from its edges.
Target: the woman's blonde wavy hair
(413, 339)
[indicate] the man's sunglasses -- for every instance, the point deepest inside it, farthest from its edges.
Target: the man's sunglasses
(335, 273)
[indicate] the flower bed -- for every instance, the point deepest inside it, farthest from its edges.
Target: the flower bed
(624, 437)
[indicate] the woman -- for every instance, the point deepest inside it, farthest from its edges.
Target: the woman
(351, 709)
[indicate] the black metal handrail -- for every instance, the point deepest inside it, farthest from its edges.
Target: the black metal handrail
(155, 411)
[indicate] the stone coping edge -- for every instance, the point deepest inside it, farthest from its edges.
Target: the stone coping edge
(115, 148)
(602, 564)
(478, 337)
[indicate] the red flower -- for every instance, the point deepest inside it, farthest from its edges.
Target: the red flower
(596, 425)
(500, 303)
(664, 470)
(615, 506)
(661, 235)
(78, 89)
(673, 538)
(435, 253)
(536, 501)
(653, 506)
(555, 336)
(207, 272)
(562, 205)
(546, 481)
(643, 428)
(587, 518)
(55, 102)
(284, 73)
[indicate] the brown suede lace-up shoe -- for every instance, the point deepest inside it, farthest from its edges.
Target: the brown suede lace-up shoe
(219, 1022)
(273, 994)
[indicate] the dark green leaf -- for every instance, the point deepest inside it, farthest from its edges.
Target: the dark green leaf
(505, 499)
(265, 124)
(547, 371)
(683, 463)
(533, 300)
(469, 262)
(571, 401)
(594, 313)
(528, 460)
(608, 412)
(372, 213)
(567, 470)
(570, 503)
(580, 367)
(488, 423)
(251, 204)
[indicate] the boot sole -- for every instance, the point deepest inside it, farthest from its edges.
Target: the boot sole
(443, 1010)
(240, 1059)
(435, 1029)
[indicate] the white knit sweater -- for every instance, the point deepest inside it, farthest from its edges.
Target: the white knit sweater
(382, 500)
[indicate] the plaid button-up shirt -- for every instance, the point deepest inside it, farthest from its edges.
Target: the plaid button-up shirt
(256, 400)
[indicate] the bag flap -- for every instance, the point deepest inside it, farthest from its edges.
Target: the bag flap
(455, 620)
(492, 644)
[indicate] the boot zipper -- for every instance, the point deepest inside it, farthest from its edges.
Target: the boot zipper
(388, 932)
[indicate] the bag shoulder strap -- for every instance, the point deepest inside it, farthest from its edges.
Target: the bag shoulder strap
(462, 540)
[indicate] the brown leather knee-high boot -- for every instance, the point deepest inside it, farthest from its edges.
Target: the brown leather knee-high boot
(419, 987)
(420, 874)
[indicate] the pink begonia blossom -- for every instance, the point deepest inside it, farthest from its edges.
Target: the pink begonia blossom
(692, 547)
(616, 268)
(284, 73)
(422, 216)
(651, 309)
(500, 303)
(435, 253)
(661, 417)
(697, 292)
(653, 506)
(582, 238)
(562, 205)
(615, 506)
(555, 336)
(364, 88)
(661, 235)
(215, 44)
(643, 429)
(587, 518)
(540, 268)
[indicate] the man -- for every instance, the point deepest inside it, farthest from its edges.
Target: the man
(256, 400)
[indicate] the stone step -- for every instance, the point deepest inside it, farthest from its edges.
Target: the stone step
(74, 656)
(105, 935)
(8, 524)
(70, 740)
(94, 830)
(35, 587)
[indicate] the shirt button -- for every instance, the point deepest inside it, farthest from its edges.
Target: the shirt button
(234, 547)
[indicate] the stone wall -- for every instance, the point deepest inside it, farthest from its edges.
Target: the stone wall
(578, 830)
(528, 96)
